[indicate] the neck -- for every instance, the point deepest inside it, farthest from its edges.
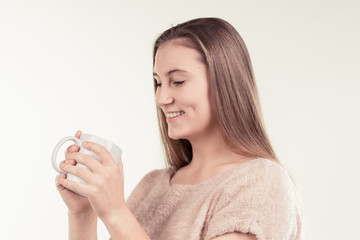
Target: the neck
(211, 151)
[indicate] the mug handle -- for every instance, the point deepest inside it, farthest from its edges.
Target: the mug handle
(56, 149)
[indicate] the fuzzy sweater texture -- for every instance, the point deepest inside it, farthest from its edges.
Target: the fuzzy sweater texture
(255, 197)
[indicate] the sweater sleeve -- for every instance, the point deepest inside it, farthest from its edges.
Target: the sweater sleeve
(262, 203)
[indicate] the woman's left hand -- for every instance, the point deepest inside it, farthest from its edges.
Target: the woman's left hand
(105, 181)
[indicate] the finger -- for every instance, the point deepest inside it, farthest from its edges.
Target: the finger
(71, 149)
(101, 151)
(61, 175)
(78, 134)
(93, 164)
(78, 171)
(57, 180)
(120, 162)
(80, 188)
(74, 147)
(69, 161)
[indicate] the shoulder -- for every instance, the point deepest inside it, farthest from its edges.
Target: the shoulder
(150, 182)
(260, 195)
(277, 212)
(275, 182)
(153, 176)
(260, 181)
(254, 175)
(269, 172)
(249, 184)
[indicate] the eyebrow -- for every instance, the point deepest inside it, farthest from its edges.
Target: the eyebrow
(171, 72)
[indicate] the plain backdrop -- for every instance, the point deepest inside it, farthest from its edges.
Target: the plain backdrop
(68, 65)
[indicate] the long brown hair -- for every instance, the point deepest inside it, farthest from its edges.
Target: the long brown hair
(234, 95)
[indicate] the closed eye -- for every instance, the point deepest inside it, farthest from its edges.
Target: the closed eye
(177, 83)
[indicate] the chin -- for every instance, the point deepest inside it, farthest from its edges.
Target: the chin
(175, 136)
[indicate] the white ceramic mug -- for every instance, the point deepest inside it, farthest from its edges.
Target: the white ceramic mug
(114, 150)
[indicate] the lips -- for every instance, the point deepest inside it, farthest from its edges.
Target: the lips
(174, 114)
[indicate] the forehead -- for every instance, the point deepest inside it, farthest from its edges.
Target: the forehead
(174, 54)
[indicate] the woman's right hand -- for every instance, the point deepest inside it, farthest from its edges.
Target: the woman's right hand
(76, 204)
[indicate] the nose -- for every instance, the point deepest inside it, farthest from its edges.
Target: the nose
(163, 96)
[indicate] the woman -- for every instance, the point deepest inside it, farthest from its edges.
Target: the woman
(223, 182)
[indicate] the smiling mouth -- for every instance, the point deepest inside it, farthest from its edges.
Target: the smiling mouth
(174, 114)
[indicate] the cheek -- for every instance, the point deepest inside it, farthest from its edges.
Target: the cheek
(203, 109)
(207, 113)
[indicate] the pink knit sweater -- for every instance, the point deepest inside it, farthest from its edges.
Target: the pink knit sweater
(256, 197)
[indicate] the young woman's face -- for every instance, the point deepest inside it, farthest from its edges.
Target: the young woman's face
(183, 91)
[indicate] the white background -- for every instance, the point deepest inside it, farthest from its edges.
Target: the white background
(68, 65)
